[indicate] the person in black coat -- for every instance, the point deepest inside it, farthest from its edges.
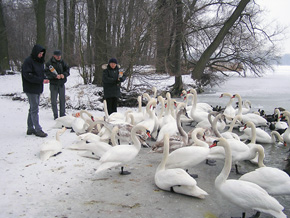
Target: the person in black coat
(112, 79)
(32, 73)
(57, 72)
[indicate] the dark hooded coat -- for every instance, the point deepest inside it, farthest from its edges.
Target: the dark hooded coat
(33, 70)
(111, 84)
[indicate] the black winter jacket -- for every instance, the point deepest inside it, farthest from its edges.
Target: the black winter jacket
(61, 68)
(111, 84)
(33, 71)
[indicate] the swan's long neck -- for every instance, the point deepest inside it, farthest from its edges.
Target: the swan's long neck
(276, 134)
(179, 127)
(139, 103)
(214, 125)
(234, 122)
(134, 138)
(162, 164)
(249, 154)
(253, 132)
(222, 177)
(58, 133)
(161, 100)
(240, 104)
(261, 156)
(196, 140)
(93, 124)
(113, 135)
(106, 110)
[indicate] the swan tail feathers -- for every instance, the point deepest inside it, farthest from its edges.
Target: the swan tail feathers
(194, 191)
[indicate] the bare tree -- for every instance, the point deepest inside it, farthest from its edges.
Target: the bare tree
(39, 9)
(4, 56)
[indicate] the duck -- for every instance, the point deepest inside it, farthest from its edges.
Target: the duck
(255, 118)
(189, 156)
(261, 135)
(52, 147)
(244, 194)
(273, 180)
(121, 154)
(176, 180)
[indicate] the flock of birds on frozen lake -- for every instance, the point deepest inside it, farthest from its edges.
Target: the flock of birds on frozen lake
(116, 139)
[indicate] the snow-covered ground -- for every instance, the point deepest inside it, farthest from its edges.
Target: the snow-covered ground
(66, 186)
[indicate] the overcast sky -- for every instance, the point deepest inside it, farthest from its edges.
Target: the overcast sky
(279, 10)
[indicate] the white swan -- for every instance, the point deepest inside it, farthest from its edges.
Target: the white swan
(189, 156)
(195, 113)
(279, 124)
(201, 105)
(286, 134)
(246, 195)
(150, 121)
(255, 118)
(52, 147)
(229, 134)
(96, 149)
(261, 135)
(175, 141)
(273, 180)
(81, 124)
(229, 111)
(121, 154)
(65, 121)
(176, 180)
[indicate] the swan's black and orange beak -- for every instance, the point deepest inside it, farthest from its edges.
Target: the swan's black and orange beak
(184, 98)
(92, 118)
(285, 144)
(221, 96)
(214, 144)
(233, 96)
(148, 133)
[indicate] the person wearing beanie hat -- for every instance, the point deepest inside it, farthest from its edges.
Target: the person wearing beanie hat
(112, 80)
(57, 72)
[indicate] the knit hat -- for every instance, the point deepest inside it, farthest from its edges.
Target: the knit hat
(113, 60)
(57, 52)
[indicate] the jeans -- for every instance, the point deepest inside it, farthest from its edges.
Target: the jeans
(33, 118)
(56, 90)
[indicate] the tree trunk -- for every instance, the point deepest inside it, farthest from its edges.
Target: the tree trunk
(65, 28)
(58, 19)
(201, 64)
(71, 33)
(178, 85)
(4, 56)
(39, 9)
(161, 34)
(100, 41)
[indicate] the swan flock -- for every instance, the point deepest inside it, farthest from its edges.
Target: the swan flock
(183, 136)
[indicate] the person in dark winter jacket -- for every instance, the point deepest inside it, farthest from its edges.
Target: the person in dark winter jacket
(57, 72)
(32, 80)
(112, 79)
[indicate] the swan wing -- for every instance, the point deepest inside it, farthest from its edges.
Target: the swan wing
(273, 180)
(250, 196)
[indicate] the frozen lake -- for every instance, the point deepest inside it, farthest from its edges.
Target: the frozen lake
(267, 92)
